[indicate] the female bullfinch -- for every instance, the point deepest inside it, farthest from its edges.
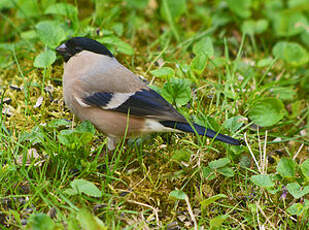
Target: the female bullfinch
(96, 87)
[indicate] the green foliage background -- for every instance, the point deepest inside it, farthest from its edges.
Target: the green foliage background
(237, 66)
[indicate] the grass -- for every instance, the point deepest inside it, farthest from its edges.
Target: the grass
(236, 68)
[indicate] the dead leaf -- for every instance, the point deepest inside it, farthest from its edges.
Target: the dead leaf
(38, 102)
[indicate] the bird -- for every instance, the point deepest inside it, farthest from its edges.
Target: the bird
(97, 88)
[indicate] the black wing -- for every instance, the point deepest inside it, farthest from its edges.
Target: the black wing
(145, 102)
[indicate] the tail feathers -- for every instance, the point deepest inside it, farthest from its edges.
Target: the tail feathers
(182, 126)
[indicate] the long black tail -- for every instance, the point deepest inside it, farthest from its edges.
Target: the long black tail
(201, 131)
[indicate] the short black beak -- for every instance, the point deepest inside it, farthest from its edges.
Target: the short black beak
(61, 49)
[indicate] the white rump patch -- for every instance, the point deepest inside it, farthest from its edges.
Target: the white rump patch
(117, 100)
(155, 126)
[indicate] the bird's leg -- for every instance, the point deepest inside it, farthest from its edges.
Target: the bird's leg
(112, 142)
(72, 124)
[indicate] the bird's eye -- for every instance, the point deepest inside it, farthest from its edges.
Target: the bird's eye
(78, 48)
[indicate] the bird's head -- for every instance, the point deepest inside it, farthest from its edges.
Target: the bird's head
(76, 45)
